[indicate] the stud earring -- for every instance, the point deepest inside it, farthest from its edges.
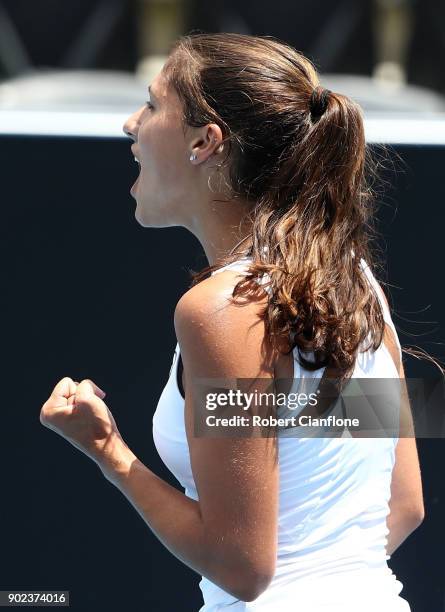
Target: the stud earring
(193, 156)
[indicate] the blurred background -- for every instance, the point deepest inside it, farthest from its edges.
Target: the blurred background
(88, 293)
(387, 54)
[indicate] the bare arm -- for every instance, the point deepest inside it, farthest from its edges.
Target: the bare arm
(406, 503)
(229, 535)
(406, 509)
(406, 506)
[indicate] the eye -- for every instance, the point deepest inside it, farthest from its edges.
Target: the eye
(149, 105)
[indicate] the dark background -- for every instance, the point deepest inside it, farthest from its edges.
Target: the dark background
(89, 293)
(338, 36)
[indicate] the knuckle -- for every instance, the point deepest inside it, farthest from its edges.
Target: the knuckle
(81, 398)
(43, 415)
(46, 412)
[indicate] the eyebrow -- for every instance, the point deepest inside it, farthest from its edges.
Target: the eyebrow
(150, 91)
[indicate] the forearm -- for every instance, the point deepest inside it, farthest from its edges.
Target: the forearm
(173, 517)
(400, 524)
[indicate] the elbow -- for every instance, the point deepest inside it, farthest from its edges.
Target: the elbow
(252, 589)
(250, 585)
(418, 516)
(245, 572)
(411, 512)
(414, 516)
(416, 510)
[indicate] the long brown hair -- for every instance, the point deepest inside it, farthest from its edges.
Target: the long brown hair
(309, 177)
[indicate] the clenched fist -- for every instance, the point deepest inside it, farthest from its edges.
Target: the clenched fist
(77, 412)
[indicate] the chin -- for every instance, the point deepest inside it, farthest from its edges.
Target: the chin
(143, 220)
(146, 218)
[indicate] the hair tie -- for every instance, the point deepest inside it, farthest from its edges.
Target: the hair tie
(319, 101)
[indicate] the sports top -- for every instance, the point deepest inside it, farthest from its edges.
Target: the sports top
(333, 503)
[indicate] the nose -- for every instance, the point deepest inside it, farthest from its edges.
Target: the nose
(131, 126)
(128, 133)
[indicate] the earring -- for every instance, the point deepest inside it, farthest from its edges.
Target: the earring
(193, 156)
(221, 178)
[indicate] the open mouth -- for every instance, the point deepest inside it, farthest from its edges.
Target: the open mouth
(136, 159)
(137, 179)
(134, 186)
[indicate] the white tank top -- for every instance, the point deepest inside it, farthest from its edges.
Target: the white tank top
(333, 503)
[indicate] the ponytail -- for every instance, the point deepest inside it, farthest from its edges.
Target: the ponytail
(297, 154)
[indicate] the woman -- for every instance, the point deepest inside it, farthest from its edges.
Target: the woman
(239, 144)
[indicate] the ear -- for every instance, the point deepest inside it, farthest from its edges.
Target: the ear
(206, 141)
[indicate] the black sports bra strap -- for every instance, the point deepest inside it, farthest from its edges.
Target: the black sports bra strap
(179, 376)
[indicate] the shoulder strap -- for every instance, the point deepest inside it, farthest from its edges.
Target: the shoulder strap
(384, 304)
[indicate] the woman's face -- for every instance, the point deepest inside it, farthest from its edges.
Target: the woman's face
(166, 175)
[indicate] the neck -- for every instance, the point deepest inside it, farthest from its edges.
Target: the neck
(222, 228)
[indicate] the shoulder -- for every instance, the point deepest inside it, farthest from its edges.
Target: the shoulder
(236, 476)
(210, 322)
